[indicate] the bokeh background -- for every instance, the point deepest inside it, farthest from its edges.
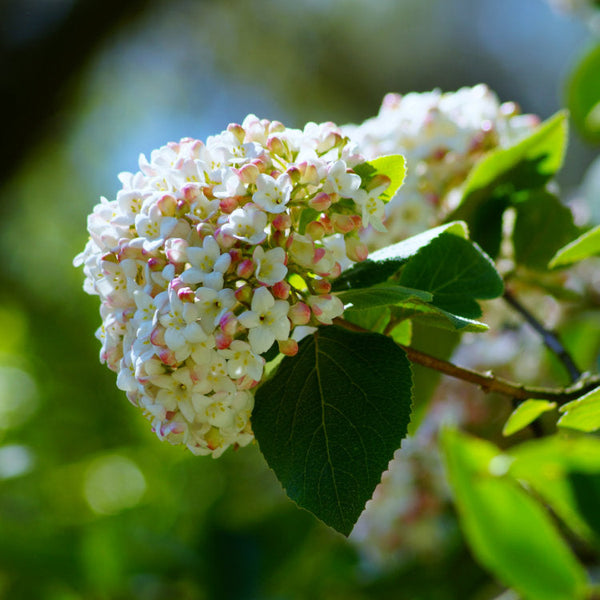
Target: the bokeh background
(92, 505)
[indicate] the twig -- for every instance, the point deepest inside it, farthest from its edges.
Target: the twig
(550, 338)
(487, 381)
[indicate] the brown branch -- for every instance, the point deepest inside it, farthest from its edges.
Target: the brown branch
(550, 338)
(487, 381)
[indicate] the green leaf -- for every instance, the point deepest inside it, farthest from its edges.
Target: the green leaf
(584, 246)
(508, 531)
(543, 225)
(402, 333)
(526, 413)
(384, 294)
(328, 422)
(456, 272)
(373, 319)
(544, 465)
(306, 216)
(392, 165)
(583, 95)
(582, 414)
(527, 165)
(384, 263)
(437, 317)
(586, 489)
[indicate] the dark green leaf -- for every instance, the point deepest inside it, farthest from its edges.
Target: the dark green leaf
(456, 272)
(384, 263)
(385, 294)
(492, 183)
(328, 422)
(373, 319)
(583, 95)
(508, 531)
(586, 489)
(436, 317)
(307, 215)
(543, 225)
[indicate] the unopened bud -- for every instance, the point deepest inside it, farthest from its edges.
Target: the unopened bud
(276, 145)
(326, 222)
(379, 181)
(282, 221)
(279, 238)
(222, 340)
(320, 286)
(248, 173)
(281, 290)
(244, 294)
(167, 206)
(315, 230)
(288, 347)
(299, 313)
(228, 324)
(228, 205)
(238, 131)
(356, 250)
(320, 202)
(186, 294)
(294, 173)
(176, 250)
(342, 223)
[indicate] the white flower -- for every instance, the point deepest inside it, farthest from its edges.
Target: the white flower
(270, 265)
(247, 224)
(181, 323)
(242, 361)
(340, 181)
(271, 194)
(207, 264)
(373, 210)
(267, 320)
(212, 304)
(326, 307)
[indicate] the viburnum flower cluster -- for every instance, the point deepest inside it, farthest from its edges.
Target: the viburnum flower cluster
(442, 136)
(212, 253)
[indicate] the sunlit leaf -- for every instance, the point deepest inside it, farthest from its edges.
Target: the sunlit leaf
(583, 95)
(329, 420)
(584, 246)
(507, 530)
(392, 165)
(582, 414)
(526, 413)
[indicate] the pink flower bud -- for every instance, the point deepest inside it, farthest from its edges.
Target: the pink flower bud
(224, 240)
(246, 383)
(320, 202)
(315, 230)
(186, 294)
(309, 173)
(279, 238)
(238, 132)
(320, 286)
(222, 340)
(167, 206)
(228, 205)
(282, 221)
(356, 250)
(326, 222)
(156, 264)
(228, 324)
(299, 313)
(248, 173)
(288, 347)
(294, 173)
(245, 269)
(281, 290)
(336, 271)
(276, 145)
(342, 223)
(319, 254)
(157, 335)
(167, 357)
(204, 229)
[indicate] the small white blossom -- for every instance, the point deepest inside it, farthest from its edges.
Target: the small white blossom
(270, 265)
(271, 194)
